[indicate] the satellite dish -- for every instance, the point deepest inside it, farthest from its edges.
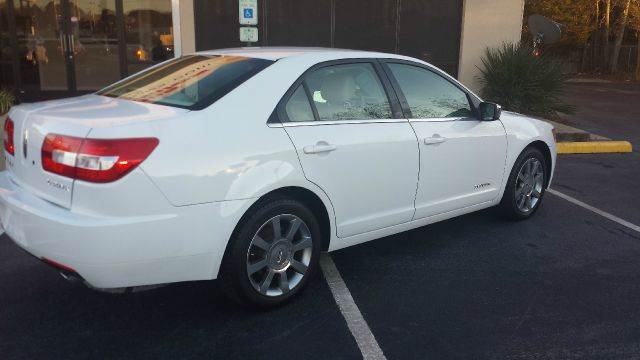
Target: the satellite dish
(543, 29)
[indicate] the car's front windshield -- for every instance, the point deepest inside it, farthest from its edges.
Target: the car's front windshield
(191, 82)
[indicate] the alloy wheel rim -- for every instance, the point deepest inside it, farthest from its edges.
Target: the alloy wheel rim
(279, 255)
(529, 185)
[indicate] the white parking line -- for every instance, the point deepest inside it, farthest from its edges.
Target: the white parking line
(605, 214)
(355, 321)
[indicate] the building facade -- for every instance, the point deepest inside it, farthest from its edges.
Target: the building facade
(56, 48)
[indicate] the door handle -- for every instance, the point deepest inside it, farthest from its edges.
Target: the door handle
(319, 148)
(72, 44)
(435, 139)
(63, 44)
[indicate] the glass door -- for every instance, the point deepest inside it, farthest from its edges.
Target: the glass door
(93, 38)
(59, 48)
(42, 47)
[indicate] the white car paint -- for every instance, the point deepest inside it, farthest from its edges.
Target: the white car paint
(171, 218)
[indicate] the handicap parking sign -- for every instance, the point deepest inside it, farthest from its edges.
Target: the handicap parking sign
(248, 12)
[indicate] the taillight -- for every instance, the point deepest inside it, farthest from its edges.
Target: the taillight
(94, 160)
(7, 136)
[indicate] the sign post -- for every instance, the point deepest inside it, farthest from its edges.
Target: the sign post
(248, 19)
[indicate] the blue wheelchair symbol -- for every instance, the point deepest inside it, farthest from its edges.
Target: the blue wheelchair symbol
(248, 13)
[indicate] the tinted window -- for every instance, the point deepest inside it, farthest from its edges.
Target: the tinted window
(191, 82)
(348, 92)
(430, 95)
(298, 107)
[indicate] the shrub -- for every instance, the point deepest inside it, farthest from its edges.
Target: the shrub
(6, 101)
(519, 81)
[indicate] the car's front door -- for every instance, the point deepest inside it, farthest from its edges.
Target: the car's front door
(353, 145)
(462, 159)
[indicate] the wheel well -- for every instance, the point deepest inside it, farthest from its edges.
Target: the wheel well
(308, 198)
(544, 149)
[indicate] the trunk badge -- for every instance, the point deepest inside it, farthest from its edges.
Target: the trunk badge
(25, 143)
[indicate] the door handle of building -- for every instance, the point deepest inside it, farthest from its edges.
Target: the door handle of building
(63, 44)
(435, 139)
(319, 148)
(72, 44)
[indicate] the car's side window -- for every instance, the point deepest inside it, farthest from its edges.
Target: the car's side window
(298, 107)
(348, 92)
(430, 95)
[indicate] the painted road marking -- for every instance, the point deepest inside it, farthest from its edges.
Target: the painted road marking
(355, 321)
(605, 214)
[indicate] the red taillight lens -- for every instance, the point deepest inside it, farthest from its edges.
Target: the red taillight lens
(7, 136)
(94, 160)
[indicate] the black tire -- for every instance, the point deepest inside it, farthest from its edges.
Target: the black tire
(234, 273)
(509, 206)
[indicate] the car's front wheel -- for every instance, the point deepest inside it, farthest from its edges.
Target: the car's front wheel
(526, 185)
(273, 254)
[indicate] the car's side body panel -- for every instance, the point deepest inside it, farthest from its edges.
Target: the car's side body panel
(378, 158)
(521, 132)
(466, 169)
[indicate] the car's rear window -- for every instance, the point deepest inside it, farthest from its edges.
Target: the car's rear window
(191, 82)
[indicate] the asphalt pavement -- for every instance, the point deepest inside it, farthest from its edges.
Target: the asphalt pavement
(562, 285)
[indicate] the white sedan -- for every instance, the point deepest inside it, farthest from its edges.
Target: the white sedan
(245, 164)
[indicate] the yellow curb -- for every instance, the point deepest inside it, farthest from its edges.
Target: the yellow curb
(594, 147)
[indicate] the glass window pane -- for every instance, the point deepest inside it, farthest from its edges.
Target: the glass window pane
(298, 107)
(348, 92)
(95, 43)
(430, 95)
(39, 36)
(191, 82)
(148, 31)
(6, 50)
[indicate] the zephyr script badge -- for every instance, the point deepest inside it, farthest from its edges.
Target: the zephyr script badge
(480, 186)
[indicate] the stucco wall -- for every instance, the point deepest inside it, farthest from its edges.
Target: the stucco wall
(183, 26)
(486, 23)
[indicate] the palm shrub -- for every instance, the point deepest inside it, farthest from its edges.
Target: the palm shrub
(519, 81)
(7, 99)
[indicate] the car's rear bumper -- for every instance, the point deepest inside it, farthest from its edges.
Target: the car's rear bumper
(112, 252)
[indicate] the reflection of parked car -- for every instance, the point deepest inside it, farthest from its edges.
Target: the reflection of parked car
(245, 164)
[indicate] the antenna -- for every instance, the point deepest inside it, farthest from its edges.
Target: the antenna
(544, 31)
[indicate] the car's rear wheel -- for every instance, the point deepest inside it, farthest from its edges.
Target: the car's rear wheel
(526, 185)
(273, 254)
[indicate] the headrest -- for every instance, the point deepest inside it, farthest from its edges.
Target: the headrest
(338, 86)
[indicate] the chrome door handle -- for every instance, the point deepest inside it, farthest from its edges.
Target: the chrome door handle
(436, 139)
(72, 44)
(319, 149)
(63, 44)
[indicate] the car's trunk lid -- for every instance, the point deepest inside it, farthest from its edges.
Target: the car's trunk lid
(71, 117)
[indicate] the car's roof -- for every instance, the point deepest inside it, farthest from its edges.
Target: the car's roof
(276, 53)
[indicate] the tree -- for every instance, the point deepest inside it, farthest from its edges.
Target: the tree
(622, 24)
(634, 23)
(605, 33)
(576, 17)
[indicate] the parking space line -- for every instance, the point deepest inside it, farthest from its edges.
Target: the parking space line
(596, 210)
(355, 321)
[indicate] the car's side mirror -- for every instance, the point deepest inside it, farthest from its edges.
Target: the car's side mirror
(489, 111)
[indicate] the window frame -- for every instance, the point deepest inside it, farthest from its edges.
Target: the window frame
(279, 116)
(473, 100)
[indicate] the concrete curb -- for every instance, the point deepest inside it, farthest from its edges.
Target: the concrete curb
(594, 147)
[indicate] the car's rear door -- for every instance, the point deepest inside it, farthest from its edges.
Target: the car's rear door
(462, 159)
(354, 143)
